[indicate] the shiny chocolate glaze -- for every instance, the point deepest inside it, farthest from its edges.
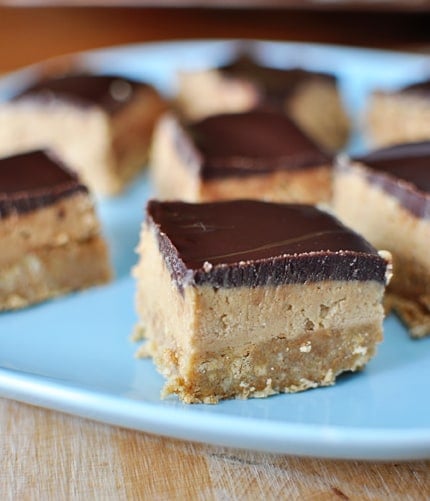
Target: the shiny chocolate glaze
(404, 172)
(254, 142)
(106, 91)
(32, 180)
(273, 84)
(252, 243)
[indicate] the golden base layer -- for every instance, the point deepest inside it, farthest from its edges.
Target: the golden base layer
(275, 366)
(105, 151)
(315, 106)
(174, 180)
(380, 218)
(397, 118)
(52, 271)
(243, 341)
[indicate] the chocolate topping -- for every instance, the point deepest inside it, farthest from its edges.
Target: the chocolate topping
(252, 243)
(404, 172)
(254, 142)
(109, 92)
(274, 85)
(33, 180)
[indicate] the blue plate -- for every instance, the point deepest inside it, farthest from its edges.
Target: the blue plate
(74, 353)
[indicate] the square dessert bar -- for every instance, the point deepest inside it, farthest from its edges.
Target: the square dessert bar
(312, 99)
(399, 116)
(256, 154)
(385, 195)
(247, 298)
(50, 235)
(99, 125)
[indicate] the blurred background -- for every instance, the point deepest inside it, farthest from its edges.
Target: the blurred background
(34, 30)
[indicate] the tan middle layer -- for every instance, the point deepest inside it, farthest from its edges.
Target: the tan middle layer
(71, 218)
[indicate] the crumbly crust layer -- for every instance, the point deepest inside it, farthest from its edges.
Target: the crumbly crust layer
(274, 366)
(47, 272)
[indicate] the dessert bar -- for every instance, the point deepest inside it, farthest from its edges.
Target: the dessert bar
(248, 298)
(255, 154)
(400, 116)
(99, 125)
(50, 234)
(385, 195)
(311, 98)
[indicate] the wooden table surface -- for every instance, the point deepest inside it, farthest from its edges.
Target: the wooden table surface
(48, 455)
(28, 35)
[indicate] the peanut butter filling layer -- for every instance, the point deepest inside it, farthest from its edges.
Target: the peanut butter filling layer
(68, 220)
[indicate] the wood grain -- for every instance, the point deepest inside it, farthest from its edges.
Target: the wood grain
(354, 5)
(48, 455)
(30, 35)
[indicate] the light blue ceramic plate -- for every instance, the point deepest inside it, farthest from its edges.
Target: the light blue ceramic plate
(74, 354)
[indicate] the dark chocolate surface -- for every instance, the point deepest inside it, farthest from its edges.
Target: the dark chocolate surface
(252, 243)
(404, 172)
(274, 85)
(32, 180)
(109, 92)
(254, 142)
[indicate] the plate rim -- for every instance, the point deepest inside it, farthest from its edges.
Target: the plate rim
(321, 441)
